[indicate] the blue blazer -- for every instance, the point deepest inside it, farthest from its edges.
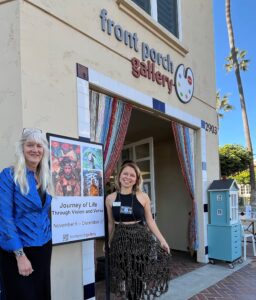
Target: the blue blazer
(24, 222)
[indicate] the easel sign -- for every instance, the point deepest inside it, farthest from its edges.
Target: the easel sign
(77, 210)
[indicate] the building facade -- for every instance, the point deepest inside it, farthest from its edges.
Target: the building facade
(157, 56)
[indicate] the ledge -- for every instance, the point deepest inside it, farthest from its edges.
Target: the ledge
(5, 1)
(131, 9)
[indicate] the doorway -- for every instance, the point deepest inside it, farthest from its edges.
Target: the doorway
(142, 153)
(150, 142)
(172, 203)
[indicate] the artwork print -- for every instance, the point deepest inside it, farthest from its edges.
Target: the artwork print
(93, 183)
(92, 158)
(66, 168)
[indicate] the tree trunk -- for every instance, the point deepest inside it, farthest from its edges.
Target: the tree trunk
(242, 100)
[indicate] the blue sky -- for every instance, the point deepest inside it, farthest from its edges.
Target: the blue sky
(244, 26)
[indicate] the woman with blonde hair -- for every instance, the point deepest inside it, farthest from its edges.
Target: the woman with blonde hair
(25, 230)
(139, 265)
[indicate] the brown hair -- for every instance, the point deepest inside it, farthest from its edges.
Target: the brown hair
(138, 185)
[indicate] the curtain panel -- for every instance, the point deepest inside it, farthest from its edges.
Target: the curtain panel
(184, 140)
(109, 120)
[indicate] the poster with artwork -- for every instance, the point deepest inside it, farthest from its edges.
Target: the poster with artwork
(77, 176)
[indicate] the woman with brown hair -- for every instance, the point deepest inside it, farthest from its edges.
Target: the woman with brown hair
(139, 265)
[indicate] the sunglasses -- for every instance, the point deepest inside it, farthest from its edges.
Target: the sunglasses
(31, 130)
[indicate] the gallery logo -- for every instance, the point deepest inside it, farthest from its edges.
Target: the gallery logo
(184, 83)
(151, 60)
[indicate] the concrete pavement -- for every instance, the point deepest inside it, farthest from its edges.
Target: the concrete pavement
(216, 282)
(192, 283)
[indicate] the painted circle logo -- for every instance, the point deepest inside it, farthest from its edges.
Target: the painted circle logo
(184, 83)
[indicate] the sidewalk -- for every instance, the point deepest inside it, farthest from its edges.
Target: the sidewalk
(238, 286)
(213, 282)
(181, 264)
(193, 281)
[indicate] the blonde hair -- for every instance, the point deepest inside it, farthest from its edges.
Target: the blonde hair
(139, 181)
(43, 170)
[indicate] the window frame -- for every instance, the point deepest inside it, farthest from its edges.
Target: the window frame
(150, 158)
(146, 20)
(154, 15)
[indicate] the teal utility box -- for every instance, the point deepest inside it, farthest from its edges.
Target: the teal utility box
(224, 229)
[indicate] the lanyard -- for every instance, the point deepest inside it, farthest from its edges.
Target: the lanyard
(126, 210)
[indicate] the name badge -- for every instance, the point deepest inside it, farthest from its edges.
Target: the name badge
(116, 203)
(126, 210)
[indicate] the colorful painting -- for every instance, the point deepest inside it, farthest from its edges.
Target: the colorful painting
(93, 183)
(92, 158)
(66, 168)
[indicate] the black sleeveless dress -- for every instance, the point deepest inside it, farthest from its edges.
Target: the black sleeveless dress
(139, 267)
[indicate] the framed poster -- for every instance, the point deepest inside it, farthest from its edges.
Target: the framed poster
(77, 209)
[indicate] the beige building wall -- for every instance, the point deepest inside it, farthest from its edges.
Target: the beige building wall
(172, 200)
(10, 81)
(111, 57)
(55, 35)
(41, 42)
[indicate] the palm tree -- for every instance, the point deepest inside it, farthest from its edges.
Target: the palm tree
(222, 105)
(236, 66)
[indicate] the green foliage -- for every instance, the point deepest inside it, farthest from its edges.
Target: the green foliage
(242, 62)
(242, 177)
(222, 104)
(233, 159)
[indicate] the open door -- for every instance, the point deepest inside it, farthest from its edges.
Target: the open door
(142, 153)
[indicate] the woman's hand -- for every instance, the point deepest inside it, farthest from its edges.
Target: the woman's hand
(144, 199)
(165, 246)
(24, 265)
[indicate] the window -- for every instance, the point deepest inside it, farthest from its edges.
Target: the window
(245, 189)
(248, 189)
(233, 207)
(219, 197)
(167, 15)
(144, 4)
(142, 152)
(242, 189)
(164, 12)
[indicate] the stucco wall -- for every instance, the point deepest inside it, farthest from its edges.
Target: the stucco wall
(10, 81)
(83, 18)
(66, 275)
(172, 200)
(41, 42)
(57, 34)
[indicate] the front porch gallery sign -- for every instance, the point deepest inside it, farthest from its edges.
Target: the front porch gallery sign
(146, 67)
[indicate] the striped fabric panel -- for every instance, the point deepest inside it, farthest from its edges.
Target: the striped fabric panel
(188, 159)
(93, 115)
(100, 118)
(117, 122)
(119, 141)
(106, 118)
(177, 130)
(112, 124)
(109, 122)
(185, 153)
